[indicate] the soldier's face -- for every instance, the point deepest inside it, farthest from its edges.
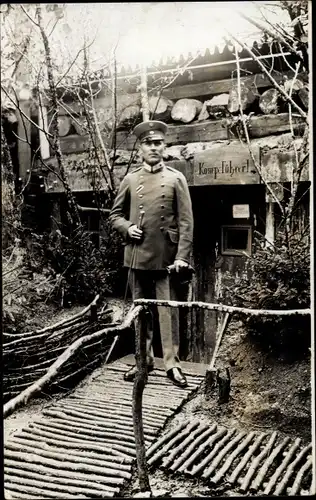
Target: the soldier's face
(152, 151)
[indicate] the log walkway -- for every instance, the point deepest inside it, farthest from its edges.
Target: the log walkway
(82, 445)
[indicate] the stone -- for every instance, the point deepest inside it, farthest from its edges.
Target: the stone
(142, 494)
(159, 492)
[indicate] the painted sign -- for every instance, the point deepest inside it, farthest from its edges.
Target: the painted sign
(241, 211)
(229, 164)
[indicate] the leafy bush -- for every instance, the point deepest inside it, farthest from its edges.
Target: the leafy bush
(277, 277)
(83, 269)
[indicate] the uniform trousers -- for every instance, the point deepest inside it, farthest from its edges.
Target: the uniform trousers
(158, 285)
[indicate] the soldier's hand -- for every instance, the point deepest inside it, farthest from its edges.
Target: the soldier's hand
(135, 233)
(180, 264)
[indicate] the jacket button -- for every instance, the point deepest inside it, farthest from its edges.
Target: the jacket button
(161, 228)
(162, 206)
(162, 217)
(162, 196)
(140, 195)
(141, 206)
(162, 185)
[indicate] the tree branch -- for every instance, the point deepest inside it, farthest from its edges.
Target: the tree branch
(224, 308)
(256, 164)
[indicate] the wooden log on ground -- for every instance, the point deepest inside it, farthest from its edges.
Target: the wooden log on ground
(264, 469)
(290, 470)
(119, 415)
(180, 463)
(120, 407)
(73, 442)
(185, 110)
(236, 472)
(273, 479)
(88, 429)
(168, 446)
(41, 493)
(92, 421)
(270, 101)
(127, 448)
(55, 470)
(109, 468)
(228, 462)
(160, 108)
(214, 452)
(182, 446)
(247, 97)
(54, 446)
(60, 480)
(206, 474)
(300, 475)
(41, 483)
(201, 449)
(256, 462)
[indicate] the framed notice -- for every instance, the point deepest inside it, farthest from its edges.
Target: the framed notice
(241, 211)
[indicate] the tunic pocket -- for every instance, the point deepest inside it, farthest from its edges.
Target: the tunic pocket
(173, 235)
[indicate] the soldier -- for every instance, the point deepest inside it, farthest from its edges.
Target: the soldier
(153, 213)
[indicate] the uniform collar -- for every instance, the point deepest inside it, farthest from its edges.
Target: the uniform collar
(154, 169)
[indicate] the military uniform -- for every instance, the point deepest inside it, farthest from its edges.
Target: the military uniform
(159, 198)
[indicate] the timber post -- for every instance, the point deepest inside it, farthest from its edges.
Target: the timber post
(139, 385)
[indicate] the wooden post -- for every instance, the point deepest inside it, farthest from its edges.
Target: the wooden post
(270, 224)
(144, 94)
(211, 376)
(139, 385)
(43, 123)
(24, 133)
(270, 216)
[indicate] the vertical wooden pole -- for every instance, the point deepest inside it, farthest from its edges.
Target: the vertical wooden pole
(24, 132)
(270, 224)
(144, 94)
(44, 144)
(139, 385)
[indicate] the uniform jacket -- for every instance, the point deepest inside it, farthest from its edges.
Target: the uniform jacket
(167, 222)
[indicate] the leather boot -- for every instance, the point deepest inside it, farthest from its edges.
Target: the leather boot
(177, 378)
(130, 375)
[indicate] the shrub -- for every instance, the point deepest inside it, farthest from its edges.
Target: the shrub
(83, 269)
(277, 277)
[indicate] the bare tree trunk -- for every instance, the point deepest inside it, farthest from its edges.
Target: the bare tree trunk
(10, 215)
(75, 217)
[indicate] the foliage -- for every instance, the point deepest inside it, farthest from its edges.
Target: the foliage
(84, 270)
(277, 277)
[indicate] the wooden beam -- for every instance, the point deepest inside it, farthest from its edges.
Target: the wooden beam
(207, 131)
(24, 133)
(193, 90)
